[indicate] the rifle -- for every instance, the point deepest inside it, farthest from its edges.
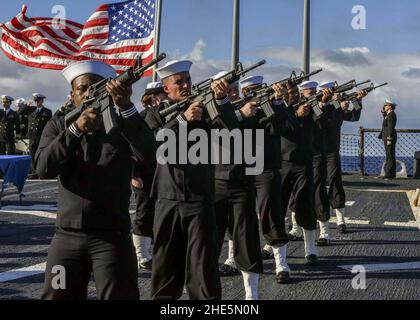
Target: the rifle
(313, 100)
(263, 93)
(346, 87)
(349, 85)
(177, 106)
(231, 77)
(100, 100)
(198, 87)
(293, 80)
(202, 92)
(353, 96)
(262, 100)
(205, 94)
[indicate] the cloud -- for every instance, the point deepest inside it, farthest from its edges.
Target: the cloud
(412, 73)
(346, 56)
(197, 52)
(20, 81)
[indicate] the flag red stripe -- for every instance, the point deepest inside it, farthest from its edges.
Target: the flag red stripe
(123, 49)
(70, 33)
(34, 53)
(34, 20)
(19, 36)
(16, 24)
(54, 35)
(44, 40)
(94, 36)
(42, 52)
(103, 7)
(63, 28)
(96, 23)
(148, 73)
(126, 64)
(67, 31)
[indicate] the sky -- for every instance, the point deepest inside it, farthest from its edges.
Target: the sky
(388, 49)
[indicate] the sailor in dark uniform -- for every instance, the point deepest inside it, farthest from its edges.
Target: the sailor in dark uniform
(94, 170)
(329, 170)
(235, 205)
(37, 120)
(24, 110)
(142, 184)
(389, 137)
(9, 124)
(229, 267)
(267, 183)
(298, 145)
(185, 250)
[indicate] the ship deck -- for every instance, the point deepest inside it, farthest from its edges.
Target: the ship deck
(383, 238)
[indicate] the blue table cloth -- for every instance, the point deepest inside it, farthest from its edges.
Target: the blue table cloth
(15, 169)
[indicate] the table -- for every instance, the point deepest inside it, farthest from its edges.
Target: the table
(15, 170)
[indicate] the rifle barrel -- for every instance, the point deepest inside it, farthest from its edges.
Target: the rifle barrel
(252, 67)
(311, 73)
(132, 74)
(364, 82)
(381, 85)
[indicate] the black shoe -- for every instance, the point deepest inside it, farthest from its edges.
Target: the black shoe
(294, 238)
(145, 265)
(226, 270)
(283, 277)
(323, 242)
(33, 176)
(266, 255)
(312, 260)
(342, 228)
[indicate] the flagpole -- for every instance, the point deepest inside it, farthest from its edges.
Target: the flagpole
(158, 15)
(235, 33)
(306, 41)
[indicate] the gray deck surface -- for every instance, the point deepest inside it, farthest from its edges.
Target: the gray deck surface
(382, 227)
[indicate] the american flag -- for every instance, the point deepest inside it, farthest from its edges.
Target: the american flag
(115, 33)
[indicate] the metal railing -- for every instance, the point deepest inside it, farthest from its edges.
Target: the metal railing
(365, 153)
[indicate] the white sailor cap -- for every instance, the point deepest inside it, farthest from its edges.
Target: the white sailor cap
(173, 67)
(390, 102)
(251, 81)
(308, 85)
(154, 85)
(222, 74)
(99, 68)
(38, 96)
(20, 101)
(219, 75)
(326, 85)
(154, 88)
(6, 97)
